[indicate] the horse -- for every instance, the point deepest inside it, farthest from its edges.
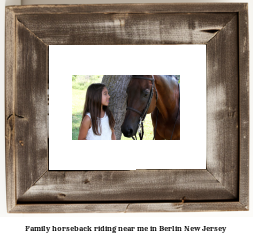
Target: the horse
(158, 95)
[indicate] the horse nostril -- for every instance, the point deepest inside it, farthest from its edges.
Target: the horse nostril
(127, 130)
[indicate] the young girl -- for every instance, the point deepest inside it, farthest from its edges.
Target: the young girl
(97, 121)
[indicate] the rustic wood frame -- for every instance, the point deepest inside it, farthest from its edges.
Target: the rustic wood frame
(223, 186)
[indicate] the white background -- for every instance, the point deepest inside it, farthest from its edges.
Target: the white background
(187, 153)
(239, 223)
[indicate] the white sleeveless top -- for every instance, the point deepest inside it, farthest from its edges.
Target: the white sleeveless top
(106, 130)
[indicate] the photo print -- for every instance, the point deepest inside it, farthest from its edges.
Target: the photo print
(129, 104)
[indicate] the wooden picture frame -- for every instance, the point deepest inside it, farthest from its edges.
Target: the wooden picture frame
(222, 186)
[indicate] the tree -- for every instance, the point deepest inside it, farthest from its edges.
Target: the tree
(117, 85)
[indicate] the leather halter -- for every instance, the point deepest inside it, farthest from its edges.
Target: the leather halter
(144, 112)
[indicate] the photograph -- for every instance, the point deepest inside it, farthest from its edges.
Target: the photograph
(125, 107)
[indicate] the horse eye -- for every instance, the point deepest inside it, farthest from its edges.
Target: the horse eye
(146, 93)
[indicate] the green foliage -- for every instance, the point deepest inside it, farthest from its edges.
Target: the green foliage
(74, 78)
(82, 82)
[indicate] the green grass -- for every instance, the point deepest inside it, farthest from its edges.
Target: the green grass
(148, 130)
(78, 98)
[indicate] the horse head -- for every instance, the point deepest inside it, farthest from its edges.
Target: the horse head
(140, 101)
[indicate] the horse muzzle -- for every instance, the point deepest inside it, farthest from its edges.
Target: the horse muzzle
(127, 131)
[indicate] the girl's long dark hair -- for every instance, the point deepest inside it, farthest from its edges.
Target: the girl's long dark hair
(93, 106)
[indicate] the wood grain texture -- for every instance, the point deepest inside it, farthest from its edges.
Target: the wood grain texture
(30, 108)
(129, 207)
(222, 107)
(223, 186)
(133, 29)
(186, 207)
(158, 8)
(10, 64)
(244, 106)
(139, 185)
